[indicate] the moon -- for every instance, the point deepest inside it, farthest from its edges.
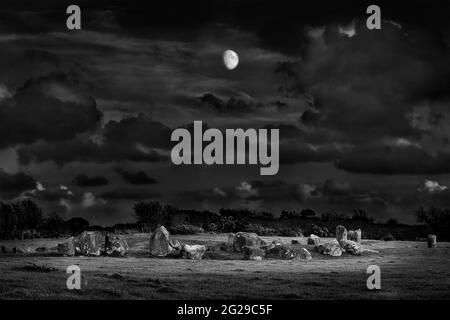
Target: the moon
(230, 59)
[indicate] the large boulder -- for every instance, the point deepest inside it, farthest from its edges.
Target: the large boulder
(351, 247)
(253, 253)
(341, 233)
(329, 249)
(431, 241)
(193, 252)
(281, 252)
(313, 240)
(305, 255)
(243, 239)
(162, 245)
(116, 245)
(90, 243)
(67, 248)
(354, 235)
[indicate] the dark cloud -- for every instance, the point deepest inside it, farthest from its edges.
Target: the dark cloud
(123, 193)
(393, 160)
(231, 105)
(83, 180)
(48, 108)
(132, 139)
(12, 185)
(139, 177)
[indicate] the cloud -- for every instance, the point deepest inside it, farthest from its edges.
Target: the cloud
(83, 180)
(48, 108)
(13, 185)
(431, 186)
(245, 189)
(139, 177)
(132, 139)
(219, 192)
(89, 200)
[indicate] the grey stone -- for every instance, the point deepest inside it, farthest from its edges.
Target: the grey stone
(90, 243)
(329, 249)
(66, 249)
(253, 253)
(161, 244)
(243, 239)
(313, 240)
(281, 252)
(341, 233)
(351, 247)
(193, 252)
(116, 245)
(431, 241)
(305, 255)
(354, 235)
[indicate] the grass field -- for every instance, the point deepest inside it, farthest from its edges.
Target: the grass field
(409, 270)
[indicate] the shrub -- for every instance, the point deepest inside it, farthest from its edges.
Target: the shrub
(185, 229)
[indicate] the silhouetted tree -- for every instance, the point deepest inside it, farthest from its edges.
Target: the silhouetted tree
(307, 213)
(150, 214)
(362, 215)
(77, 225)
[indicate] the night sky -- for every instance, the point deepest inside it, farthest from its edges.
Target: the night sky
(364, 115)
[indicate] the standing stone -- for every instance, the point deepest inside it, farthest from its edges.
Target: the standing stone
(3, 249)
(253, 253)
(161, 245)
(243, 239)
(354, 235)
(305, 255)
(431, 241)
(193, 252)
(341, 233)
(116, 245)
(313, 240)
(66, 249)
(90, 243)
(231, 237)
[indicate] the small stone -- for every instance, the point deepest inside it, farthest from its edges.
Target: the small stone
(329, 249)
(295, 241)
(351, 247)
(253, 253)
(305, 255)
(193, 252)
(281, 252)
(313, 240)
(66, 249)
(431, 241)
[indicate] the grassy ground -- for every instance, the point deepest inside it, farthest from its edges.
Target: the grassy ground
(409, 270)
